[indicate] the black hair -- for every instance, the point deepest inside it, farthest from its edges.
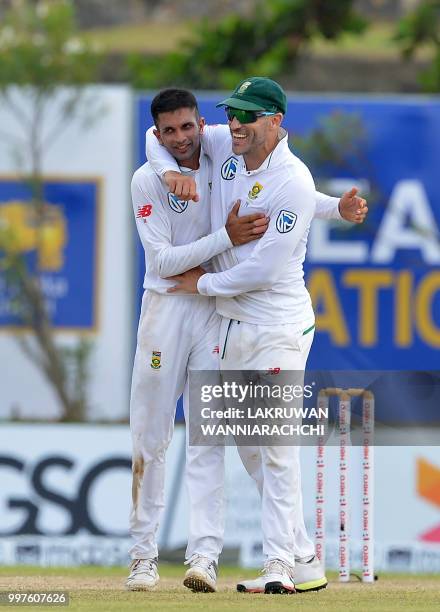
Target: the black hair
(169, 100)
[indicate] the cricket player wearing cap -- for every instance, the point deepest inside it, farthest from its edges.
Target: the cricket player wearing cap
(204, 569)
(267, 315)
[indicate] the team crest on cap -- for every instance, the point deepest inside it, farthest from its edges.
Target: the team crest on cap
(253, 193)
(286, 221)
(243, 87)
(179, 206)
(155, 360)
(229, 168)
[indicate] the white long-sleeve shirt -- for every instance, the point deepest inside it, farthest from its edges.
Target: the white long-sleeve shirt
(262, 281)
(175, 234)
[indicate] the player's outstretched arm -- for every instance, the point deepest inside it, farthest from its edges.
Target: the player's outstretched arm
(349, 207)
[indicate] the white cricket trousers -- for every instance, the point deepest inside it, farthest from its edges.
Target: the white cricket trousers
(275, 469)
(176, 334)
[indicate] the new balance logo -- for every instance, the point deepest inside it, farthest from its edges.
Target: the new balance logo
(144, 211)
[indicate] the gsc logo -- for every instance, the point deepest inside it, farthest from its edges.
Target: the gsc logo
(77, 505)
(229, 168)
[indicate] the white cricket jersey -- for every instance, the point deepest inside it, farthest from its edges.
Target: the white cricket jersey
(175, 233)
(262, 281)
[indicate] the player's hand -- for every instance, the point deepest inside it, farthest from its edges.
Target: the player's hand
(184, 187)
(186, 282)
(352, 207)
(244, 229)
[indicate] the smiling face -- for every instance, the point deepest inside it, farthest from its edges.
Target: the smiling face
(179, 132)
(255, 141)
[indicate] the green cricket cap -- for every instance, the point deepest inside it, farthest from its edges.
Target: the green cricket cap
(257, 94)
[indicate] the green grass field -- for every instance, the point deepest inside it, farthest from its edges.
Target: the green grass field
(99, 588)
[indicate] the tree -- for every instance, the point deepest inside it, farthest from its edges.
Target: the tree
(266, 43)
(422, 27)
(40, 52)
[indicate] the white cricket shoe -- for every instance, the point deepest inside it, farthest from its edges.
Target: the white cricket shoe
(201, 577)
(307, 576)
(143, 575)
(278, 577)
(252, 586)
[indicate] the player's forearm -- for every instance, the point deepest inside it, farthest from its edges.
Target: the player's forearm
(231, 284)
(159, 158)
(260, 271)
(171, 260)
(265, 266)
(327, 207)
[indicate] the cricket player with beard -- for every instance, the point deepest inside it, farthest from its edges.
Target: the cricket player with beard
(177, 334)
(267, 319)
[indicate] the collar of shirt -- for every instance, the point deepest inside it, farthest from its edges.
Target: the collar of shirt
(275, 158)
(190, 170)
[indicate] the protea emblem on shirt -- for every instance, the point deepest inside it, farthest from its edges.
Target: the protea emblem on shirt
(229, 168)
(179, 206)
(155, 360)
(253, 193)
(286, 221)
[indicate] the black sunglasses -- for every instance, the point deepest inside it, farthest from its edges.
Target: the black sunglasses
(245, 116)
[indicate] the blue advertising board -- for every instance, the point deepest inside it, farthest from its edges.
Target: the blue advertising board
(62, 252)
